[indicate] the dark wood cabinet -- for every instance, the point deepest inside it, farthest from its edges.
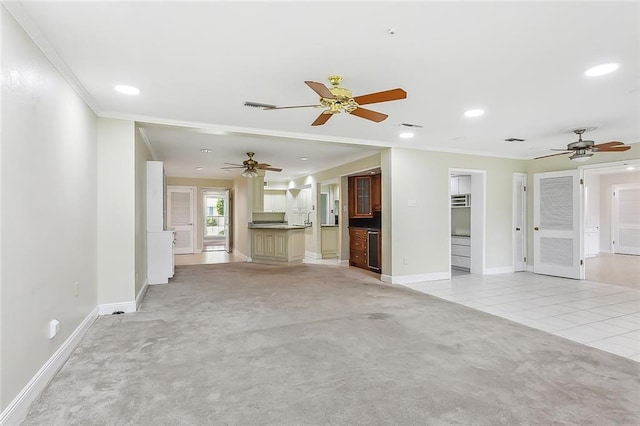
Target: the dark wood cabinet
(376, 193)
(364, 196)
(365, 248)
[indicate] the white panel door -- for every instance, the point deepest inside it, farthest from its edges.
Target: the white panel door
(557, 244)
(626, 219)
(519, 222)
(180, 218)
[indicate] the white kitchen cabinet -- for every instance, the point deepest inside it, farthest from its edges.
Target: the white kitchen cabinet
(156, 200)
(160, 242)
(460, 185)
(591, 241)
(461, 252)
(275, 200)
(160, 266)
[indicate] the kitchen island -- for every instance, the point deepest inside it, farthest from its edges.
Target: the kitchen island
(277, 243)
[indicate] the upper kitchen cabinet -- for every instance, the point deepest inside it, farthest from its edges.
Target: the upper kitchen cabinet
(275, 200)
(461, 185)
(364, 196)
(376, 192)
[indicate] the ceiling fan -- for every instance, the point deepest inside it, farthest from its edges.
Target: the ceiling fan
(251, 166)
(582, 150)
(338, 99)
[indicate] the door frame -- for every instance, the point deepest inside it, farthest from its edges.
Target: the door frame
(611, 167)
(225, 194)
(517, 178)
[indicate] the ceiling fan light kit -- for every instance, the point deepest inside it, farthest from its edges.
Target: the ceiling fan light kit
(583, 150)
(250, 173)
(339, 99)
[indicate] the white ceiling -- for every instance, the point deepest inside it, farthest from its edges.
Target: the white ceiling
(196, 64)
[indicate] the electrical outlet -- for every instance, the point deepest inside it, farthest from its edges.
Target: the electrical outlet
(76, 288)
(54, 327)
(405, 261)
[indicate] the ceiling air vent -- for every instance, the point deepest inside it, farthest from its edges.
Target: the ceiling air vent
(514, 140)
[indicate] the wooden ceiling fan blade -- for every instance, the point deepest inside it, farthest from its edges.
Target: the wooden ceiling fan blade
(553, 155)
(384, 96)
(369, 114)
(234, 167)
(273, 169)
(322, 118)
(291, 107)
(234, 164)
(260, 165)
(613, 149)
(320, 89)
(608, 144)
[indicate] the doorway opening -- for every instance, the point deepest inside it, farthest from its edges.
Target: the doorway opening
(612, 223)
(467, 190)
(215, 228)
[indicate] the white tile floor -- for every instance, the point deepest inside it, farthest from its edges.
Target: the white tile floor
(603, 316)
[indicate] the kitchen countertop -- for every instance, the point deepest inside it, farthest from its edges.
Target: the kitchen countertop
(282, 226)
(329, 226)
(461, 235)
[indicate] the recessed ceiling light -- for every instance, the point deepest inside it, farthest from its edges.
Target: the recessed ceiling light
(602, 69)
(406, 135)
(631, 168)
(127, 90)
(205, 150)
(227, 171)
(474, 113)
(304, 158)
(199, 169)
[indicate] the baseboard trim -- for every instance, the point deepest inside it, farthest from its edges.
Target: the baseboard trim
(406, 279)
(344, 262)
(241, 255)
(499, 270)
(141, 294)
(529, 268)
(312, 254)
(109, 308)
(19, 407)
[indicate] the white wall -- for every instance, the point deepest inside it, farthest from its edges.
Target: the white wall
(142, 155)
(116, 211)
(417, 237)
(47, 209)
(242, 214)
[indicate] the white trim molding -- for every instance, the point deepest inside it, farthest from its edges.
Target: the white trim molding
(499, 270)
(406, 279)
(241, 255)
(110, 308)
(141, 294)
(19, 407)
(312, 254)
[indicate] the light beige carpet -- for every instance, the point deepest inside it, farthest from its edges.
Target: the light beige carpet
(245, 344)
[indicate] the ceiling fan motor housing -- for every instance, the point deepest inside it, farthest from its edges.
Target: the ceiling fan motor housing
(580, 145)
